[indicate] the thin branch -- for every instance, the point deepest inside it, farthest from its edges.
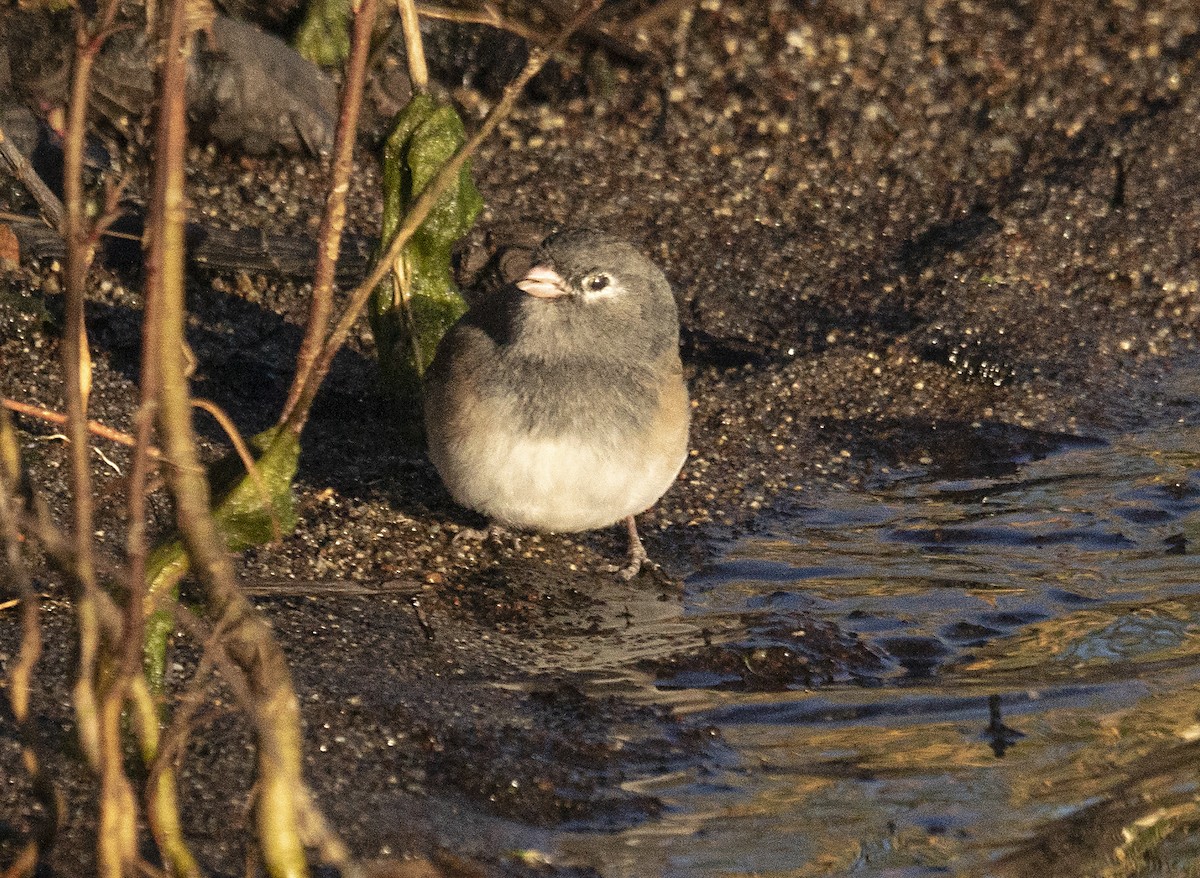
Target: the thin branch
(333, 221)
(112, 207)
(77, 382)
(98, 712)
(51, 207)
(316, 828)
(135, 541)
(487, 14)
(162, 810)
(20, 219)
(21, 671)
(414, 49)
(164, 270)
(39, 523)
(212, 654)
(162, 796)
(322, 836)
(420, 209)
(160, 791)
(249, 644)
(94, 427)
(592, 33)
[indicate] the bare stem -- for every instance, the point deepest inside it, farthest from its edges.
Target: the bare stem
(414, 49)
(98, 713)
(249, 644)
(162, 805)
(97, 706)
(420, 209)
(76, 380)
(333, 221)
(487, 14)
(117, 830)
(51, 207)
(212, 654)
(94, 427)
(162, 798)
(12, 569)
(161, 794)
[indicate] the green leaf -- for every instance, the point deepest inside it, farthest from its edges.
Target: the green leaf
(324, 35)
(425, 134)
(242, 518)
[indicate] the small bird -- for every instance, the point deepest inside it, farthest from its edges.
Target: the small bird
(558, 403)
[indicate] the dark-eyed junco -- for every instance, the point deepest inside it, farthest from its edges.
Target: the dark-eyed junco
(558, 403)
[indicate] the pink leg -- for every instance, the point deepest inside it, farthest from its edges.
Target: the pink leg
(637, 552)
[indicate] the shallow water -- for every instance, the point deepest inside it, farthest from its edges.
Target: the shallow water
(1033, 701)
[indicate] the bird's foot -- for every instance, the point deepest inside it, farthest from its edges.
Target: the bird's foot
(636, 566)
(637, 558)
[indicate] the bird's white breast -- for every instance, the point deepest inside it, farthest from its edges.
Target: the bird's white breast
(568, 482)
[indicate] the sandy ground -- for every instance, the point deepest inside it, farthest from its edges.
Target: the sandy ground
(906, 235)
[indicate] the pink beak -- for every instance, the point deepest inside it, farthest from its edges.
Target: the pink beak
(543, 282)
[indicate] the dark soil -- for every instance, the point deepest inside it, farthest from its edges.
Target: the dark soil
(941, 236)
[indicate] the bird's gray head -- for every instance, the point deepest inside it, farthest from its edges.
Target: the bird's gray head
(587, 291)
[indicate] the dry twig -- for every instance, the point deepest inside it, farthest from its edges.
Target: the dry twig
(486, 14)
(21, 672)
(248, 643)
(212, 655)
(98, 703)
(77, 382)
(51, 207)
(94, 427)
(333, 221)
(161, 796)
(414, 49)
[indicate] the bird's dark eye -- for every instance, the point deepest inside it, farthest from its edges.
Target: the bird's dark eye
(594, 283)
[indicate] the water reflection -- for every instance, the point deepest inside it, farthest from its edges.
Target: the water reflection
(1020, 681)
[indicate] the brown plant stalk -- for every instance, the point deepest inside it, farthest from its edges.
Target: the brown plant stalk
(21, 673)
(162, 811)
(162, 804)
(161, 790)
(486, 14)
(98, 702)
(53, 417)
(170, 744)
(333, 220)
(249, 644)
(414, 48)
(51, 208)
(314, 826)
(76, 381)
